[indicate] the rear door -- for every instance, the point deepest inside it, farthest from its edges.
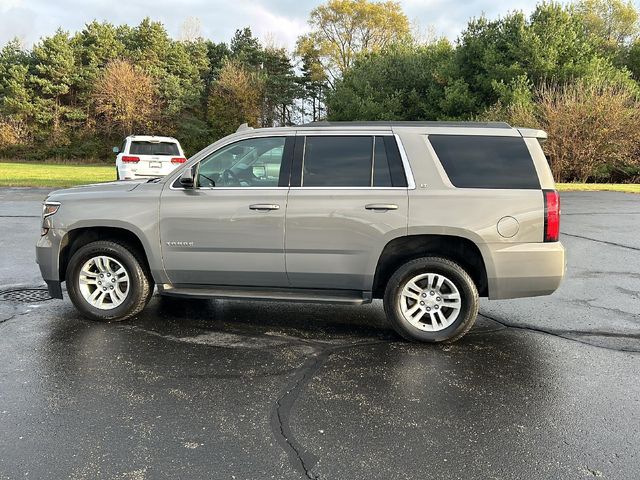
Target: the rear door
(348, 199)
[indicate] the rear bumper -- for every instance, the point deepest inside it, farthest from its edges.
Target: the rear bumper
(133, 171)
(525, 269)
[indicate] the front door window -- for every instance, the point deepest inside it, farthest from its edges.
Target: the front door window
(254, 162)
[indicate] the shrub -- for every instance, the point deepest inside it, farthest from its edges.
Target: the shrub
(593, 128)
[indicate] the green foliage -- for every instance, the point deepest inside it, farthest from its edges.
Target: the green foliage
(358, 62)
(401, 83)
(48, 95)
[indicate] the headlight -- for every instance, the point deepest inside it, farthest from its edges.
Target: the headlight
(49, 208)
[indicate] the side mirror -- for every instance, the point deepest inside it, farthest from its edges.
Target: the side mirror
(186, 179)
(115, 150)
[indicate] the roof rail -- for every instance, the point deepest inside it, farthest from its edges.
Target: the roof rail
(383, 123)
(243, 127)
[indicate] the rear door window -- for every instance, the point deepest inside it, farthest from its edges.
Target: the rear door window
(153, 148)
(332, 161)
(350, 161)
(486, 161)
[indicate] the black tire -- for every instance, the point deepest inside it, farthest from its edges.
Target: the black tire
(140, 281)
(117, 174)
(452, 271)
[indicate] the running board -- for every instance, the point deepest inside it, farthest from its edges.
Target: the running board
(350, 297)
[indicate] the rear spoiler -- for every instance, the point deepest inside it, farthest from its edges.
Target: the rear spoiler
(541, 135)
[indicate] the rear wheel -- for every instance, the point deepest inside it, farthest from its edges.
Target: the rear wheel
(107, 281)
(431, 299)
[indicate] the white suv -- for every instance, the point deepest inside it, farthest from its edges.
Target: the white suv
(148, 156)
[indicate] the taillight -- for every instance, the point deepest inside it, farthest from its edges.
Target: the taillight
(551, 215)
(128, 159)
(178, 160)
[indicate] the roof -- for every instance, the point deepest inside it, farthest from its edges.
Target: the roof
(383, 123)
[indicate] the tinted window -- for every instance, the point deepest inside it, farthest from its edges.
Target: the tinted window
(254, 162)
(486, 162)
(337, 161)
(153, 148)
(381, 172)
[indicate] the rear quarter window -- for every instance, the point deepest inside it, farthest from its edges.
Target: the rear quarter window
(485, 161)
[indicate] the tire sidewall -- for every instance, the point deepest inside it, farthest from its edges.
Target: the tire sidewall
(126, 259)
(452, 271)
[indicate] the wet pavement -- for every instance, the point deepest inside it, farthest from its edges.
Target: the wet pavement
(540, 388)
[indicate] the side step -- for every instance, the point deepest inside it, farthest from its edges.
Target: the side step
(349, 297)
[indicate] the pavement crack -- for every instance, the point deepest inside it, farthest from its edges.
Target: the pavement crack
(4, 320)
(11, 317)
(565, 334)
(302, 460)
(602, 241)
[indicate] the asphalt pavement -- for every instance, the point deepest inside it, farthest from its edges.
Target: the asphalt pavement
(540, 388)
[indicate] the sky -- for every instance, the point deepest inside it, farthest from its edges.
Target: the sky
(278, 21)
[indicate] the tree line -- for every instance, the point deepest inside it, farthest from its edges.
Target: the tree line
(571, 69)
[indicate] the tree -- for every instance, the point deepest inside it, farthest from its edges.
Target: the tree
(16, 107)
(125, 97)
(191, 30)
(280, 87)
(343, 29)
(402, 83)
(312, 79)
(551, 45)
(613, 22)
(234, 99)
(246, 49)
(54, 75)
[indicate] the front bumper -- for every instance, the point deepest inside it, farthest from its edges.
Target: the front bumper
(48, 258)
(525, 269)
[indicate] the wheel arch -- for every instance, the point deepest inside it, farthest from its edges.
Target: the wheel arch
(76, 238)
(459, 249)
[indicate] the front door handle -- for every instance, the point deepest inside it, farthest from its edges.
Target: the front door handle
(381, 207)
(263, 207)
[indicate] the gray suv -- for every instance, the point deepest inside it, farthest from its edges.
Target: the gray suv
(427, 216)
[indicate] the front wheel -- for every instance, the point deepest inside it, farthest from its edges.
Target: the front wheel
(107, 281)
(431, 299)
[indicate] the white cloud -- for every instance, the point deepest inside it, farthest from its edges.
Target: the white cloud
(5, 5)
(281, 20)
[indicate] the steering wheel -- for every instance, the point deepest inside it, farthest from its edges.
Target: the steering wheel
(229, 178)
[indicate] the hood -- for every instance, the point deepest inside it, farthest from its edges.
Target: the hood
(97, 188)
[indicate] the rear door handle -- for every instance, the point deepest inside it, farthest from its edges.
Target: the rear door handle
(264, 206)
(381, 207)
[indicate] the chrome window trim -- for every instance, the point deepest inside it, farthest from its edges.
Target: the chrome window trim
(349, 188)
(234, 188)
(411, 184)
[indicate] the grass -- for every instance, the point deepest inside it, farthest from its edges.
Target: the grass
(52, 175)
(593, 187)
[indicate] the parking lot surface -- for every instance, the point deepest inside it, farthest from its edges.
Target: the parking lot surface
(540, 388)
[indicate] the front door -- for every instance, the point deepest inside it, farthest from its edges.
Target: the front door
(351, 201)
(229, 229)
